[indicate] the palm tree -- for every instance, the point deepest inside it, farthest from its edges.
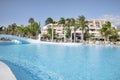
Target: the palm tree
(71, 22)
(62, 22)
(114, 34)
(11, 29)
(48, 21)
(34, 28)
(67, 28)
(106, 30)
(27, 32)
(68, 33)
(82, 23)
(30, 27)
(18, 31)
(39, 32)
(49, 35)
(52, 32)
(31, 21)
(86, 34)
(75, 29)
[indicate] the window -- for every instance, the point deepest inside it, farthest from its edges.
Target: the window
(91, 25)
(92, 29)
(97, 24)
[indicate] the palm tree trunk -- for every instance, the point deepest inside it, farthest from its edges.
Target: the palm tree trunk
(64, 36)
(52, 34)
(74, 36)
(39, 38)
(108, 38)
(71, 36)
(82, 36)
(105, 39)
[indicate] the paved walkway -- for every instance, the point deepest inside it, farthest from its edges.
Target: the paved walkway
(5, 72)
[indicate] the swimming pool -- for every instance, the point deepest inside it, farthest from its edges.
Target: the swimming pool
(59, 62)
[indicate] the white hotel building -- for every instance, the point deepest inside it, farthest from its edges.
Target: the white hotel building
(94, 26)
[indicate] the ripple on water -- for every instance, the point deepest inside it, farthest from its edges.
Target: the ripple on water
(30, 72)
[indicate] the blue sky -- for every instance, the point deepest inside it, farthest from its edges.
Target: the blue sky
(19, 11)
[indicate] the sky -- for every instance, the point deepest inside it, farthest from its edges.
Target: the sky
(19, 11)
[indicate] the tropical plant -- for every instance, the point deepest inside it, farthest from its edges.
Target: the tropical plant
(34, 29)
(62, 22)
(27, 32)
(70, 22)
(31, 21)
(19, 31)
(11, 29)
(82, 23)
(68, 32)
(51, 22)
(114, 35)
(86, 34)
(106, 30)
(75, 29)
(49, 33)
(67, 23)
(48, 21)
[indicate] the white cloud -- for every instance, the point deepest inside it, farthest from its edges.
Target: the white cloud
(114, 19)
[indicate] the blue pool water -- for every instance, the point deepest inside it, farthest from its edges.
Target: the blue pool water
(4, 43)
(59, 62)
